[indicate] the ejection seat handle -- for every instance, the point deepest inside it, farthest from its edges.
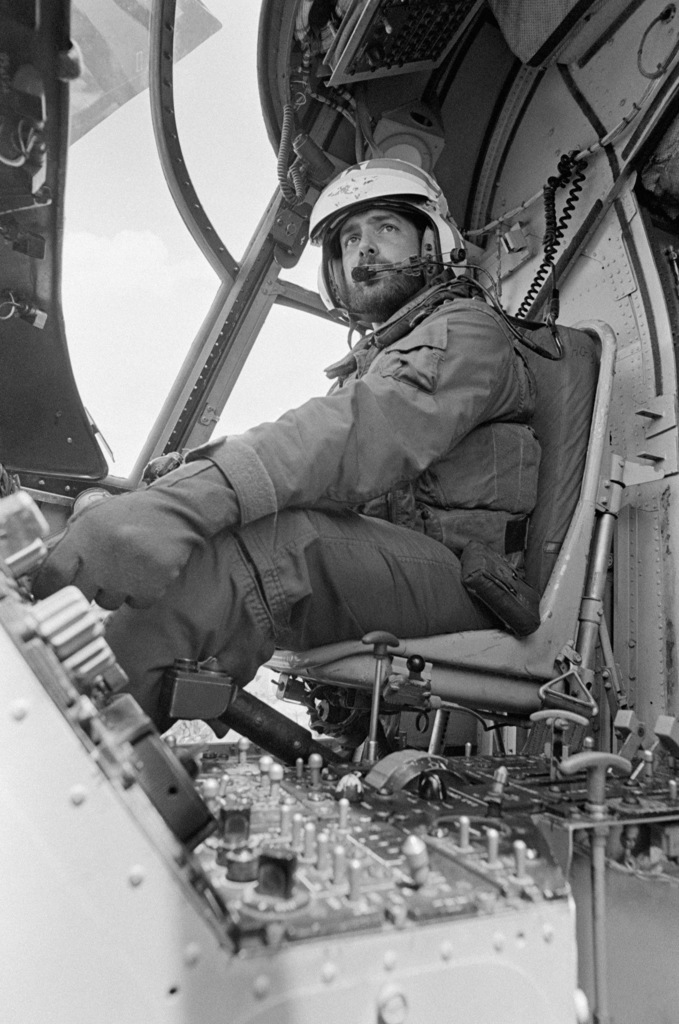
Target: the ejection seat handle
(380, 642)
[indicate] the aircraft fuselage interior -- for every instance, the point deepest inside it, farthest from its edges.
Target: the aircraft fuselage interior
(478, 827)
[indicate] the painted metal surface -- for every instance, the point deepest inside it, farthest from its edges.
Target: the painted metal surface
(107, 925)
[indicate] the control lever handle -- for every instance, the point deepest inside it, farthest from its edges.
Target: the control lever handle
(596, 763)
(557, 719)
(380, 641)
(547, 714)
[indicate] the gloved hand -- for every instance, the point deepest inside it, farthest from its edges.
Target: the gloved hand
(131, 547)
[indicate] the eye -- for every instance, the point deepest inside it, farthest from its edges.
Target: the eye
(349, 240)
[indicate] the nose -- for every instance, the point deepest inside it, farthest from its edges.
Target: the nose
(368, 244)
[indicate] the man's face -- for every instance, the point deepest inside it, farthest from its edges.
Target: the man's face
(378, 236)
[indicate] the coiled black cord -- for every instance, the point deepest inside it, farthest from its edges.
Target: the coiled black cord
(569, 171)
(578, 167)
(291, 180)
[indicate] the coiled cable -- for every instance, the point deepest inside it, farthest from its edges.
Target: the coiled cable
(570, 170)
(291, 180)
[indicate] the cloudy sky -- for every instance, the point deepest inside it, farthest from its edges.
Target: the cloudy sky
(136, 288)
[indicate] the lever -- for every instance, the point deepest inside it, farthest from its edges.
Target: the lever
(596, 763)
(381, 642)
(557, 721)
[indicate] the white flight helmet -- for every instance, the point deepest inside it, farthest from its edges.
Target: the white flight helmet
(390, 183)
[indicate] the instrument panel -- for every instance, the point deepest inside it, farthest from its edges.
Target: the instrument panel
(152, 880)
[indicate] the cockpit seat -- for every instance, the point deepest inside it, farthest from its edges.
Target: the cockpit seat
(491, 670)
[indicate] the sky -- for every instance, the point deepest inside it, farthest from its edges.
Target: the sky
(136, 287)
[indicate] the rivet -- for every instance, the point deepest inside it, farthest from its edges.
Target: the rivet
(547, 932)
(18, 709)
(77, 795)
(392, 1006)
(328, 972)
(498, 942)
(389, 960)
(192, 954)
(582, 1014)
(261, 986)
(136, 875)
(446, 950)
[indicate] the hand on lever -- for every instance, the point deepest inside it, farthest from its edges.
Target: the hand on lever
(131, 547)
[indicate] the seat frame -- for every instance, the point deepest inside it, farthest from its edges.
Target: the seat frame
(491, 669)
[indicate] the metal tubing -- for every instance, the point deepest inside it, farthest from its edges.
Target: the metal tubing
(601, 1013)
(375, 709)
(592, 602)
(439, 731)
(591, 610)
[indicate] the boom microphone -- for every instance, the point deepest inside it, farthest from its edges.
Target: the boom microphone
(413, 265)
(362, 273)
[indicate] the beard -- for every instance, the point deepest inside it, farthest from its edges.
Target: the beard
(377, 299)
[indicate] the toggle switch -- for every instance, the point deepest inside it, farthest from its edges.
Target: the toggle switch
(276, 873)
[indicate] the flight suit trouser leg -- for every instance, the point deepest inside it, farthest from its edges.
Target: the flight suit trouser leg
(296, 580)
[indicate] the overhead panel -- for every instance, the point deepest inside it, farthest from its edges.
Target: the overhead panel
(388, 37)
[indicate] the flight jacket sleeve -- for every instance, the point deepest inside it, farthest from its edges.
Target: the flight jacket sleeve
(419, 397)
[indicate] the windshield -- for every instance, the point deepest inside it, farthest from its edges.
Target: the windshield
(136, 288)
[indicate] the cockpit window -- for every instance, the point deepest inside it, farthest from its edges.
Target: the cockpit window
(136, 288)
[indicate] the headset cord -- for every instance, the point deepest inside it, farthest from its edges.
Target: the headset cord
(571, 171)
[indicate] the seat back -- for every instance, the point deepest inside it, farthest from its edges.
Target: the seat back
(563, 417)
(490, 669)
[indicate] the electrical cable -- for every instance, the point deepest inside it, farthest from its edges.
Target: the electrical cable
(638, 107)
(363, 121)
(14, 306)
(665, 15)
(570, 170)
(287, 128)
(292, 180)
(23, 138)
(334, 105)
(417, 264)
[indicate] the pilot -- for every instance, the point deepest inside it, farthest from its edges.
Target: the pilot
(348, 514)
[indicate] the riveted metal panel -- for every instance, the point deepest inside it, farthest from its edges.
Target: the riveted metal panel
(612, 75)
(101, 921)
(645, 596)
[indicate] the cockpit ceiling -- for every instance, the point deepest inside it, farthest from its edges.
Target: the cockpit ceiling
(535, 33)
(437, 77)
(423, 72)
